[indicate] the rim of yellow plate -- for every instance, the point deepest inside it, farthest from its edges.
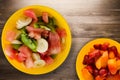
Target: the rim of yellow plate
(86, 49)
(10, 25)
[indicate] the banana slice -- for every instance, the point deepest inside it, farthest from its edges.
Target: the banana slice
(36, 56)
(42, 45)
(16, 42)
(23, 22)
(39, 63)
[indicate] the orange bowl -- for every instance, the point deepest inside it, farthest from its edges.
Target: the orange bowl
(86, 49)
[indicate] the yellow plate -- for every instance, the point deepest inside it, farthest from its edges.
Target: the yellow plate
(86, 49)
(10, 25)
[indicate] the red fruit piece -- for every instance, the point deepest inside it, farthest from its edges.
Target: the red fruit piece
(103, 72)
(89, 68)
(114, 49)
(94, 54)
(97, 46)
(100, 78)
(28, 53)
(95, 72)
(105, 46)
(48, 60)
(61, 32)
(45, 17)
(115, 77)
(54, 43)
(10, 52)
(86, 59)
(21, 57)
(45, 34)
(30, 13)
(11, 35)
(35, 30)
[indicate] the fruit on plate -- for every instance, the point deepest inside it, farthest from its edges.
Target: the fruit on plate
(87, 75)
(35, 40)
(112, 66)
(99, 78)
(102, 62)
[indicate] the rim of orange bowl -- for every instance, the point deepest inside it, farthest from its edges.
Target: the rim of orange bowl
(51, 9)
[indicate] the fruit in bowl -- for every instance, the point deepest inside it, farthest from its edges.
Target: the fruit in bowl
(101, 60)
(34, 39)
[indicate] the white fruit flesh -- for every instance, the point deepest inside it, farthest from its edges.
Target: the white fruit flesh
(42, 45)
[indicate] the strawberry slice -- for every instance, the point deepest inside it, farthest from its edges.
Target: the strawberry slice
(45, 17)
(54, 43)
(30, 13)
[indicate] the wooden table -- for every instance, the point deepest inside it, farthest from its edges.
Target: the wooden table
(88, 19)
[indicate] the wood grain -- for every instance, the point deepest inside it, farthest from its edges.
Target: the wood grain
(88, 19)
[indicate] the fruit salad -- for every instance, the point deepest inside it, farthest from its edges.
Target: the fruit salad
(102, 62)
(36, 41)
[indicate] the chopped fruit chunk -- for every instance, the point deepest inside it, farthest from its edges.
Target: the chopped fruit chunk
(103, 72)
(111, 55)
(32, 29)
(86, 74)
(29, 62)
(90, 69)
(45, 17)
(102, 61)
(86, 59)
(95, 72)
(114, 49)
(112, 66)
(30, 13)
(99, 78)
(118, 64)
(48, 60)
(105, 46)
(97, 46)
(28, 54)
(10, 52)
(61, 32)
(21, 57)
(11, 35)
(115, 77)
(54, 43)
(94, 53)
